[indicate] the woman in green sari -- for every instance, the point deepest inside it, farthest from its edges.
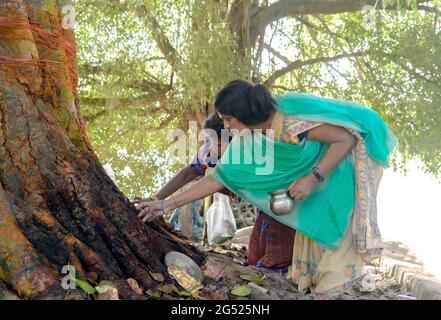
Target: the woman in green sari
(330, 155)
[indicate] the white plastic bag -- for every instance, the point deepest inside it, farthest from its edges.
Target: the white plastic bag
(221, 225)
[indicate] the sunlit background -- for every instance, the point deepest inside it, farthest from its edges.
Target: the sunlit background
(409, 211)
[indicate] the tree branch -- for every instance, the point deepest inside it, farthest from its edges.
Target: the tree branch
(276, 53)
(430, 9)
(117, 135)
(118, 104)
(299, 64)
(410, 70)
(285, 8)
(158, 34)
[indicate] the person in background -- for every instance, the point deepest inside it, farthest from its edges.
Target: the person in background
(177, 220)
(206, 158)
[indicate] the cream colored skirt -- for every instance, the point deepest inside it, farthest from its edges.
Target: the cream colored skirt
(320, 270)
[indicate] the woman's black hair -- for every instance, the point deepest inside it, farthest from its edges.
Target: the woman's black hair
(250, 104)
(215, 123)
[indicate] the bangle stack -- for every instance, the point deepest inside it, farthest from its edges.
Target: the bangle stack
(176, 205)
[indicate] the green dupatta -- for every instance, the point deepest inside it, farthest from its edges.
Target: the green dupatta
(325, 214)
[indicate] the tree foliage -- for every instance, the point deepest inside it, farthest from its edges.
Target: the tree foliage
(148, 65)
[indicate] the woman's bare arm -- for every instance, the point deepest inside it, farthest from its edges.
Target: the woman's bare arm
(150, 210)
(340, 143)
(184, 176)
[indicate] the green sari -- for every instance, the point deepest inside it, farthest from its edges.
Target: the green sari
(324, 215)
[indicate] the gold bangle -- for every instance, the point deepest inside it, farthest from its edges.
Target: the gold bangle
(176, 205)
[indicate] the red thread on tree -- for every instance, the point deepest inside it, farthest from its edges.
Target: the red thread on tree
(17, 23)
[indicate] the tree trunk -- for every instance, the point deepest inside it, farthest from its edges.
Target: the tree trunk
(57, 205)
(239, 17)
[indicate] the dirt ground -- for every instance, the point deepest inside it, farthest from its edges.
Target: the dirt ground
(225, 277)
(224, 271)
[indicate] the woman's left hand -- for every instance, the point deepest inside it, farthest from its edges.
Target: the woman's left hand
(148, 211)
(302, 187)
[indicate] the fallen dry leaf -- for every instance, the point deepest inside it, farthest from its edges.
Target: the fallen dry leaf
(108, 294)
(168, 288)
(92, 277)
(107, 283)
(159, 277)
(134, 285)
(213, 272)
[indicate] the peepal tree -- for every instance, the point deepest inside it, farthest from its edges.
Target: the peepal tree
(57, 205)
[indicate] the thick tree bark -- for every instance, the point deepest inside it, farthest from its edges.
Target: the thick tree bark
(57, 205)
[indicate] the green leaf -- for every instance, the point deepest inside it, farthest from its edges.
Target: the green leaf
(185, 294)
(241, 291)
(154, 294)
(257, 278)
(197, 297)
(248, 277)
(86, 287)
